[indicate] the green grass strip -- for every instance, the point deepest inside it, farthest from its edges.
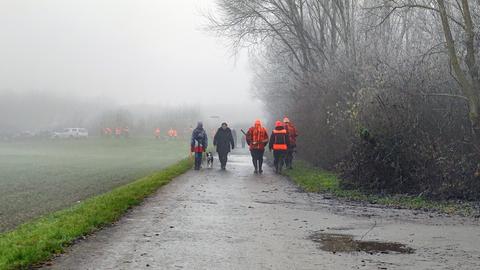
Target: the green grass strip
(313, 179)
(39, 240)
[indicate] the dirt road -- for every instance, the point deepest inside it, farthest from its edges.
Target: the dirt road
(236, 220)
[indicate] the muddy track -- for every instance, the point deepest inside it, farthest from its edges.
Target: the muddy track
(236, 220)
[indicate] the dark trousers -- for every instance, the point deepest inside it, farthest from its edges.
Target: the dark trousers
(289, 157)
(223, 158)
(198, 160)
(257, 158)
(279, 159)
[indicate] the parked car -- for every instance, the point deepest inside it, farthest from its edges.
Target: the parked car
(72, 133)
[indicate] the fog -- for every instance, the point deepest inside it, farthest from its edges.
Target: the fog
(121, 53)
(370, 101)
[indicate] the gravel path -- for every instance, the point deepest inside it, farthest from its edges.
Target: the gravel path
(236, 220)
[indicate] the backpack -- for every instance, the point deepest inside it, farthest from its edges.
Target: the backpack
(199, 136)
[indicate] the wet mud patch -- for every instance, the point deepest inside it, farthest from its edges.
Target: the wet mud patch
(274, 202)
(340, 228)
(345, 243)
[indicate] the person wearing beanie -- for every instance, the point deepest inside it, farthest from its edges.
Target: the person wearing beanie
(223, 140)
(257, 139)
(199, 144)
(279, 142)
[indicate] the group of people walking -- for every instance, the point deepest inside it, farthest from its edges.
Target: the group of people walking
(223, 141)
(282, 142)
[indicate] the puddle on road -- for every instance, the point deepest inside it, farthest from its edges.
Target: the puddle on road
(347, 244)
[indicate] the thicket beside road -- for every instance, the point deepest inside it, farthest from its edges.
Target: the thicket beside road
(393, 110)
(313, 179)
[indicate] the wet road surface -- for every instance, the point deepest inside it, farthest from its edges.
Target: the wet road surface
(237, 220)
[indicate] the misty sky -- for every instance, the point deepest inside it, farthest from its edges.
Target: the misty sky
(134, 51)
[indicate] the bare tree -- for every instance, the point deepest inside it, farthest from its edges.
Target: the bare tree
(462, 46)
(363, 77)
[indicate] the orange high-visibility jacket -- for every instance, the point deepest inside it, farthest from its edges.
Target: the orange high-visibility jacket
(257, 138)
(279, 140)
(292, 133)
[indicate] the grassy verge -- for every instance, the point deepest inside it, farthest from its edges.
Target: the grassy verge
(313, 179)
(39, 240)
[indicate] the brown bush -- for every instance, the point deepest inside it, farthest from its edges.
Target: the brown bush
(414, 145)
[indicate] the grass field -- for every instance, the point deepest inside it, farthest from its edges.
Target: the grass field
(39, 177)
(34, 242)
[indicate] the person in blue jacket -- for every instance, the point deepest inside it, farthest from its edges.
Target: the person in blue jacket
(199, 144)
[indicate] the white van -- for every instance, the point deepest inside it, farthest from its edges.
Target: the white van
(73, 133)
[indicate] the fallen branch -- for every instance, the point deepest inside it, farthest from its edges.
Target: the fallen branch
(373, 227)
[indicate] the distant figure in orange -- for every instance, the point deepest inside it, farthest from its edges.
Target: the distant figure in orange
(171, 133)
(118, 132)
(157, 133)
(107, 132)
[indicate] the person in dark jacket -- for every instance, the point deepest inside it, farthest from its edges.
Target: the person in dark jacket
(223, 140)
(279, 142)
(199, 144)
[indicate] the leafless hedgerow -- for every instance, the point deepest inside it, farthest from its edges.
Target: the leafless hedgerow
(387, 91)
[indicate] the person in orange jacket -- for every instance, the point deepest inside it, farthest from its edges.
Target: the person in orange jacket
(292, 136)
(157, 133)
(279, 142)
(257, 139)
(107, 132)
(118, 132)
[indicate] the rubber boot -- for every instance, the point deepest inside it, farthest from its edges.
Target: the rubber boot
(197, 164)
(280, 166)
